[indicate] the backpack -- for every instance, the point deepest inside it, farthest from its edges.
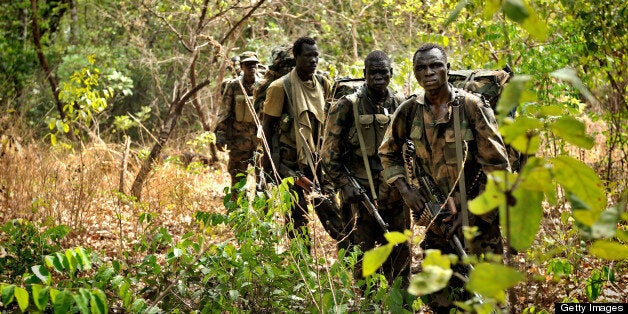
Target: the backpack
(489, 84)
(345, 86)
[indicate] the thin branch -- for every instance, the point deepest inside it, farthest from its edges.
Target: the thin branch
(241, 21)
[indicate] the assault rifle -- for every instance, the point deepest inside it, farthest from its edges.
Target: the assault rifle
(366, 201)
(438, 204)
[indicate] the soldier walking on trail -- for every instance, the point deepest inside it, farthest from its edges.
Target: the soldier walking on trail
(236, 127)
(292, 123)
(354, 130)
(428, 120)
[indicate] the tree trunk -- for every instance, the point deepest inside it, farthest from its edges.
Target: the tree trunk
(52, 79)
(171, 121)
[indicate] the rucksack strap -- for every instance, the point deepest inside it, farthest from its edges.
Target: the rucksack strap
(355, 100)
(462, 188)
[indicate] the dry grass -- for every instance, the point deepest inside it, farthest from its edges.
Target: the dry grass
(80, 190)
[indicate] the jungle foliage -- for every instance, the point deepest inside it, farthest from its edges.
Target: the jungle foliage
(144, 76)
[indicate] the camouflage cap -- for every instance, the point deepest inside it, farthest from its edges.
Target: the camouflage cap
(282, 53)
(248, 56)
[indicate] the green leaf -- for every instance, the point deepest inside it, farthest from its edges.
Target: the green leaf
(577, 178)
(572, 131)
(609, 250)
(570, 75)
(454, 14)
(40, 296)
(523, 134)
(21, 295)
(435, 258)
(395, 237)
(98, 302)
(515, 10)
(83, 258)
(124, 293)
(536, 176)
(525, 218)
(139, 306)
(53, 294)
(491, 198)
(52, 262)
(431, 279)
(72, 261)
(522, 13)
(514, 93)
(374, 258)
(490, 7)
(63, 302)
(593, 285)
(8, 294)
(82, 299)
(535, 26)
(491, 280)
(606, 225)
(42, 273)
(53, 139)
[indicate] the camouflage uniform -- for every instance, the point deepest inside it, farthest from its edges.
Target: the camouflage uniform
(436, 151)
(236, 125)
(341, 147)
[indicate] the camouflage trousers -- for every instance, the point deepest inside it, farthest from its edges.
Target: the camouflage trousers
(488, 241)
(243, 146)
(366, 234)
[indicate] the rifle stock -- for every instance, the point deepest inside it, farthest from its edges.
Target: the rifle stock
(366, 201)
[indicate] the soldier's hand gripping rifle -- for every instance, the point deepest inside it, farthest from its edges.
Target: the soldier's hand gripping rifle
(326, 208)
(366, 201)
(438, 205)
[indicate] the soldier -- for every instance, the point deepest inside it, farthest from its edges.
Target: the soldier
(293, 121)
(427, 120)
(354, 130)
(236, 127)
(282, 64)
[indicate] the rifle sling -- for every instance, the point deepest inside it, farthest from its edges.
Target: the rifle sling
(356, 119)
(462, 189)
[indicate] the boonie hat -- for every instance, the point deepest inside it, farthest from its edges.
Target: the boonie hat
(248, 56)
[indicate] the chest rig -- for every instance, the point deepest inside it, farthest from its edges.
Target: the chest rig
(242, 112)
(372, 126)
(367, 132)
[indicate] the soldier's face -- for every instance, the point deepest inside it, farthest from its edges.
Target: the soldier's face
(249, 69)
(430, 69)
(377, 74)
(307, 61)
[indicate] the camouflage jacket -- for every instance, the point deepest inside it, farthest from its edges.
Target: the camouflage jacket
(435, 141)
(341, 145)
(234, 111)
